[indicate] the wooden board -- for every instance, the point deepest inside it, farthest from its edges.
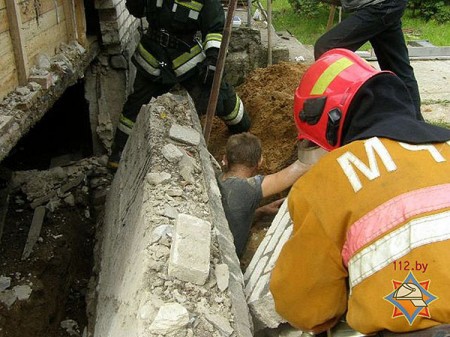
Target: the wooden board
(18, 40)
(8, 74)
(29, 12)
(41, 30)
(4, 26)
(46, 37)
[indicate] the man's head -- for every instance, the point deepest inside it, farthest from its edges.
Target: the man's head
(244, 149)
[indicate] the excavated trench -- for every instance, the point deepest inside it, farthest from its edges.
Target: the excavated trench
(50, 173)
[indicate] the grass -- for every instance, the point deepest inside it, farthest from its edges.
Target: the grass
(307, 30)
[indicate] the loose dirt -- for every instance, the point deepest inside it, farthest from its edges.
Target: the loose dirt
(268, 96)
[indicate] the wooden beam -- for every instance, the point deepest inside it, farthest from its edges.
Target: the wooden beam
(71, 25)
(80, 15)
(15, 25)
(331, 17)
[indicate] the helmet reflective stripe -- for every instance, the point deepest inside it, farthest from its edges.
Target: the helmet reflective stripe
(125, 125)
(236, 115)
(329, 75)
(187, 61)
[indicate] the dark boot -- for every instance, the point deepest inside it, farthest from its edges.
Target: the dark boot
(242, 126)
(120, 139)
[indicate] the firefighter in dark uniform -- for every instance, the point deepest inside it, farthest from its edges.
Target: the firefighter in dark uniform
(180, 45)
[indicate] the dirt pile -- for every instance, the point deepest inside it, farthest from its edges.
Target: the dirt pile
(268, 96)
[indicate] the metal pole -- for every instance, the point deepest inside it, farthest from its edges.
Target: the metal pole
(249, 13)
(213, 97)
(269, 32)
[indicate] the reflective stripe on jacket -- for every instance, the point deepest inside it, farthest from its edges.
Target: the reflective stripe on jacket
(181, 19)
(370, 238)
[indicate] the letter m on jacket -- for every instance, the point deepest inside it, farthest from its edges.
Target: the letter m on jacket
(349, 163)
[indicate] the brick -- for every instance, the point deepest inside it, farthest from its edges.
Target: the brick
(46, 81)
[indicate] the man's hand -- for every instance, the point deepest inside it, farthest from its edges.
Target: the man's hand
(271, 208)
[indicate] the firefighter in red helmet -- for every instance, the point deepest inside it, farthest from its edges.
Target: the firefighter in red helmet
(371, 218)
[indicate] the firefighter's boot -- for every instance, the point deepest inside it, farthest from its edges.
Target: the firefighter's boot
(120, 139)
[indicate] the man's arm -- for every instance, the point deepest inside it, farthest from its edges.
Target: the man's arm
(281, 180)
(268, 209)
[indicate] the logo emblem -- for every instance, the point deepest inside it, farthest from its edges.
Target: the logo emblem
(410, 298)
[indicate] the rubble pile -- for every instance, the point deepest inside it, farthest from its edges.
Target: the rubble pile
(47, 245)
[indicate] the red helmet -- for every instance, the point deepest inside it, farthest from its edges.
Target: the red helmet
(324, 94)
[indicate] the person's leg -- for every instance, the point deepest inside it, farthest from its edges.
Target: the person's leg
(143, 91)
(230, 108)
(351, 33)
(392, 52)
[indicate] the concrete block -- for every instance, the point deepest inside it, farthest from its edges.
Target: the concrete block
(184, 134)
(190, 251)
(262, 311)
(172, 153)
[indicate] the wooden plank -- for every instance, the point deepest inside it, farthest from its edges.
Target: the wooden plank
(4, 26)
(8, 74)
(45, 38)
(71, 25)
(81, 22)
(35, 231)
(29, 13)
(9, 83)
(8, 64)
(15, 29)
(6, 46)
(34, 28)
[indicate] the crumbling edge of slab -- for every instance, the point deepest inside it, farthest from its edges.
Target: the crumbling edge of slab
(242, 319)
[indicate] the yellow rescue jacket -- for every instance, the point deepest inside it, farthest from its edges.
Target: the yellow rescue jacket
(370, 239)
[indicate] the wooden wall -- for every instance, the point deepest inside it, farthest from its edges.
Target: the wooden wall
(32, 27)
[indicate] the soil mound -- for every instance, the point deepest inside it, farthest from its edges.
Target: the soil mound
(268, 96)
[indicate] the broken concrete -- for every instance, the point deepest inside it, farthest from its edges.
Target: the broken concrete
(165, 240)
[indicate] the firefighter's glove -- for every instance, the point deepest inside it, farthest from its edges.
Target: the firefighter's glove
(206, 70)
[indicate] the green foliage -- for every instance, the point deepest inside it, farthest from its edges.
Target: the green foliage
(308, 8)
(431, 10)
(308, 29)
